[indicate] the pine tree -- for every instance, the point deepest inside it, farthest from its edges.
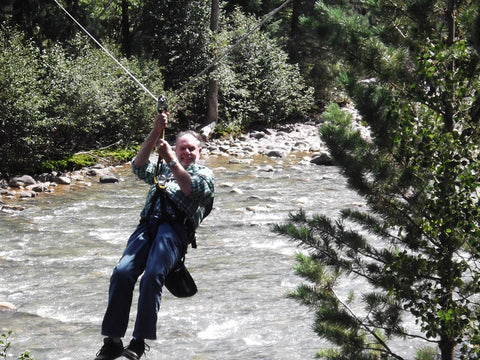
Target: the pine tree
(412, 71)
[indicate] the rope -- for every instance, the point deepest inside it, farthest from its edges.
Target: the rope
(108, 53)
(213, 63)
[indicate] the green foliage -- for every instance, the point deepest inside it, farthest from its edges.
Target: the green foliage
(4, 344)
(427, 354)
(257, 85)
(414, 78)
(92, 157)
(176, 34)
(54, 104)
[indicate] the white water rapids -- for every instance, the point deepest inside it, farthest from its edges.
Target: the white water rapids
(57, 255)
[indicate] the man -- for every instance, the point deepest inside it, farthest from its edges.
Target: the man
(181, 194)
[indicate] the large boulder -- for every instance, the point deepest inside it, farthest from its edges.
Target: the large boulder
(108, 179)
(322, 159)
(19, 181)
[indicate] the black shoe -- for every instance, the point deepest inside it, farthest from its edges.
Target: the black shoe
(135, 349)
(110, 350)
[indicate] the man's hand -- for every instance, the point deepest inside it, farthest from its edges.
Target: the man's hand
(165, 151)
(161, 121)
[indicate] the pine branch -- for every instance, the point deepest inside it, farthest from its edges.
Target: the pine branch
(366, 327)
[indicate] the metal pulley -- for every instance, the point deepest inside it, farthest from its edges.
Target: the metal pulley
(162, 104)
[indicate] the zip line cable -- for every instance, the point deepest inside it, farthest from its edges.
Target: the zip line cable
(213, 63)
(108, 52)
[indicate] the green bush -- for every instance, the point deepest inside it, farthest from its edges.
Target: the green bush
(72, 97)
(55, 103)
(258, 85)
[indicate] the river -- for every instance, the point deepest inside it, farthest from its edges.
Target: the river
(57, 255)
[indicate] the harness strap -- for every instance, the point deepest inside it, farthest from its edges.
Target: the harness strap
(179, 216)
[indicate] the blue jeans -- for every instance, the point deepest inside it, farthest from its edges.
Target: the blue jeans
(153, 249)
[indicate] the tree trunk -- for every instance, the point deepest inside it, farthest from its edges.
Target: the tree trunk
(125, 26)
(212, 99)
(447, 344)
(446, 348)
(295, 21)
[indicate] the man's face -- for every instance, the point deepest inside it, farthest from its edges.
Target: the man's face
(187, 150)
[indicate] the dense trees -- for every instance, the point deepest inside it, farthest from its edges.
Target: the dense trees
(53, 104)
(412, 69)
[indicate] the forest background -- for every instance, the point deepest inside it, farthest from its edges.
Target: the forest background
(410, 67)
(62, 94)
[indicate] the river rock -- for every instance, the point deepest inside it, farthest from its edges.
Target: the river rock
(227, 184)
(240, 161)
(92, 172)
(322, 159)
(7, 207)
(256, 208)
(258, 135)
(19, 181)
(108, 179)
(207, 130)
(7, 306)
(38, 187)
(267, 168)
(63, 180)
(46, 177)
(27, 194)
(77, 177)
(275, 153)
(8, 192)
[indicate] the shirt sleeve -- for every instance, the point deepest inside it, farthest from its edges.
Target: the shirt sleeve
(202, 186)
(145, 172)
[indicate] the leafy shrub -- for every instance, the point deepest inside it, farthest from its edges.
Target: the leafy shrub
(258, 85)
(55, 103)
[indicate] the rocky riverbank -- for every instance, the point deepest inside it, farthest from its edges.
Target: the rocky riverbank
(277, 143)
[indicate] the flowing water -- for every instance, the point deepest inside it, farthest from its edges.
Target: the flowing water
(57, 255)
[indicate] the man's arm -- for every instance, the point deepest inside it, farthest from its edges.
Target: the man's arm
(149, 143)
(181, 175)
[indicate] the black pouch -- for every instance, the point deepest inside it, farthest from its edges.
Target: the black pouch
(179, 281)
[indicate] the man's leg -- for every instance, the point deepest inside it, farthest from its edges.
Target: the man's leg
(166, 250)
(122, 283)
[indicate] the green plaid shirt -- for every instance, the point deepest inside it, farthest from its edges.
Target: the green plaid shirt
(194, 205)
